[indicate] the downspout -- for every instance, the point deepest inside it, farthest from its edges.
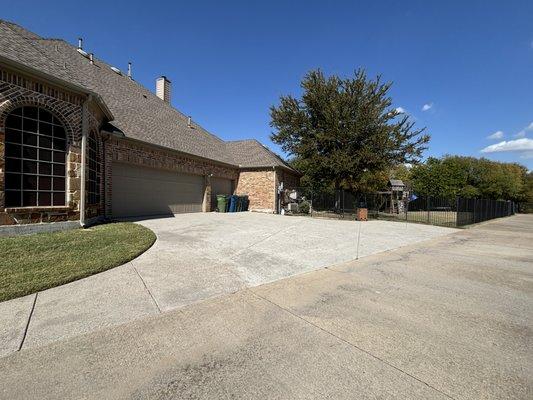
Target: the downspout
(84, 134)
(276, 195)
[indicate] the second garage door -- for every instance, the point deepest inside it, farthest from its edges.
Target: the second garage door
(140, 191)
(220, 186)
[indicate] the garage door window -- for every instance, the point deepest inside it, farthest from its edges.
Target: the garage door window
(35, 152)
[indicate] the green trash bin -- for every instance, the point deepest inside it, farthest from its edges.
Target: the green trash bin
(221, 202)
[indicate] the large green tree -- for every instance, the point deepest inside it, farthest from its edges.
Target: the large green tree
(345, 132)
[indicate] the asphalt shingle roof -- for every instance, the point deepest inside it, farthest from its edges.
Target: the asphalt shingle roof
(252, 154)
(396, 182)
(138, 113)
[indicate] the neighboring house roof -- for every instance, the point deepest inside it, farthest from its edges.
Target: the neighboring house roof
(137, 112)
(252, 154)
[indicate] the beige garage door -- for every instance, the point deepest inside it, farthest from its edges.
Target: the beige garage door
(140, 191)
(220, 186)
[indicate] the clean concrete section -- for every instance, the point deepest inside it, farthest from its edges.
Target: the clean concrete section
(448, 318)
(199, 256)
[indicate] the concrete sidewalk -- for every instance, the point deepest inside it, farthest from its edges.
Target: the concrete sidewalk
(196, 257)
(449, 318)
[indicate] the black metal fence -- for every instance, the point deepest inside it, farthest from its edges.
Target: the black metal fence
(429, 210)
(526, 208)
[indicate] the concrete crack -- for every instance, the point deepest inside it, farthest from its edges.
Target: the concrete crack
(28, 322)
(146, 287)
(351, 344)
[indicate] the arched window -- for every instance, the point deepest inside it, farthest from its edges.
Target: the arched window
(35, 152)
(93, 164)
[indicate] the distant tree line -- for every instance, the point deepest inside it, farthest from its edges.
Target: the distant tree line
(470, 177)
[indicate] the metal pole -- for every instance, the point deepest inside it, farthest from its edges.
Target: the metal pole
(427, 206)
(358, 240)
(456, 211)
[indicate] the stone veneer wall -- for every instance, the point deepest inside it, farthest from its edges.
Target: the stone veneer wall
(260, 186)
(137, 153)
(18, 90)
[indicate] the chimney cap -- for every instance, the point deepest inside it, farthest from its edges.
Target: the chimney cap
(165, 78)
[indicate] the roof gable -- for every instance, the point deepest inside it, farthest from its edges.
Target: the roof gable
(137, 112)
(252, 154)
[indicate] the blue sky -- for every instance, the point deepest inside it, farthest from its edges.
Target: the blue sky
(469, 62)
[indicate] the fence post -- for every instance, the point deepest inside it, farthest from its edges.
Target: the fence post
(343, 205)
(311, 207)
(427, 206)
(456, 211)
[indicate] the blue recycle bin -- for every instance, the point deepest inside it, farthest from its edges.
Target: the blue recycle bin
(233, 203)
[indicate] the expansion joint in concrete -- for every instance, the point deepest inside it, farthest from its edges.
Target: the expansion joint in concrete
(26, 327)
(147, 288)
(286, 310)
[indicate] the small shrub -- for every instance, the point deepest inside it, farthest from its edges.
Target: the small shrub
(304, 207)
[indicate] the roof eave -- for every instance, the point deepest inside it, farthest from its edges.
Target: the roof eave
(60, 82)
(257, 167)
(127, 138)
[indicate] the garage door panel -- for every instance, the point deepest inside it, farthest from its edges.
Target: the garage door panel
(139, 191)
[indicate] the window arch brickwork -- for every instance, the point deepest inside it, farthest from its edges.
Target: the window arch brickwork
(18, 90)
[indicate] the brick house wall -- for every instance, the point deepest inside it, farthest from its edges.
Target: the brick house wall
(17, 90)
(260, 186)
(143, 154)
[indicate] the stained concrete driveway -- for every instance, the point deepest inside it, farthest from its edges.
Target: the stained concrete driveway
(195, 257)
(449, 318)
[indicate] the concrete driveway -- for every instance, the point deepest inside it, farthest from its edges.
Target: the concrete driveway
(449, 318)
(196, 257)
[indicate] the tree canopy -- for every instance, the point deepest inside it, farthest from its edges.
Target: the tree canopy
(452, 176)
(344, 133)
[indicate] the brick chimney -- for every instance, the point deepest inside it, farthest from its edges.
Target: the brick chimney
(162, 88)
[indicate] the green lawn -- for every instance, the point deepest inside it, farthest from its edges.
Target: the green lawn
(36, 262)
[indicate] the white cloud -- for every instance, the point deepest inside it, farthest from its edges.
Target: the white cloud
(496, 135)
(522, 133)
(427, 106)
(400, 110)
(524, 145)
